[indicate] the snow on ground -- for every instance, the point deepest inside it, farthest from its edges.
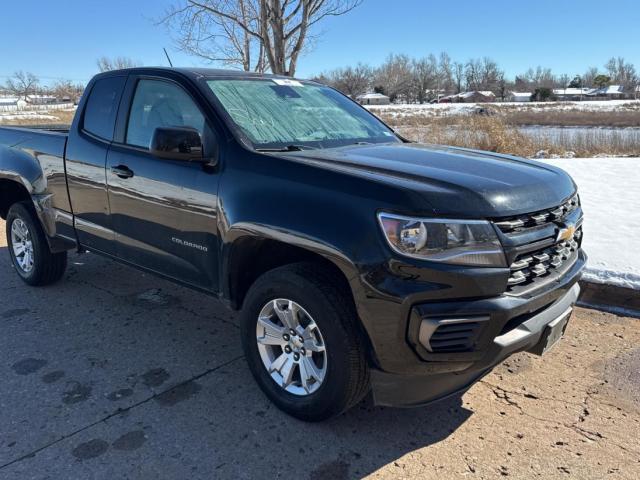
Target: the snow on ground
(26, 116)
(448, 109)
(610, 193)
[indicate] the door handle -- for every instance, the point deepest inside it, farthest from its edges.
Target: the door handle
(122, 171)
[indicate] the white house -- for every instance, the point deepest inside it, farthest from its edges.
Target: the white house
(610, 92)
(8, 104)
(519, 96)
(571, 93)
(372, 99)
(41, 99)
(470, 97)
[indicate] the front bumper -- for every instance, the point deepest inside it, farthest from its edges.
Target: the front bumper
(512, 325)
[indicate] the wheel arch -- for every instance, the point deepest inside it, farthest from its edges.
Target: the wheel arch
(12, 190)
(251, 250)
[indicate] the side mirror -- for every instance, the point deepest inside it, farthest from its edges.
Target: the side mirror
(177, 143)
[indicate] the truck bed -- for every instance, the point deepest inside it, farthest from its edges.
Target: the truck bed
(37, 155)
(11, 135)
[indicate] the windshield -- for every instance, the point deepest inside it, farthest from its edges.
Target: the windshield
(282, 113)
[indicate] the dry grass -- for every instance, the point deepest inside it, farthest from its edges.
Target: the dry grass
(25, 118)
(497, 135)
(574, 118)
(546, 114)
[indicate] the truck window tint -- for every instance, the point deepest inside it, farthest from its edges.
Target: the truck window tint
(102, 107)
(160, 104)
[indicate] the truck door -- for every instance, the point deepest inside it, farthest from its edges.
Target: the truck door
(86, 156)
(163, 211)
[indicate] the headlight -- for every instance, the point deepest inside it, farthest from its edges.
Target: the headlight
(460, 242)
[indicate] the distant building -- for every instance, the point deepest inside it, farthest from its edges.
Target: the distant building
(571, 94)
(470, 97)
(519, 96)
(607, 93)
(373, 99)
(41, 99)
(11, 103)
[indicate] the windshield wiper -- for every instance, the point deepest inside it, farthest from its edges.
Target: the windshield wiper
(288, 148)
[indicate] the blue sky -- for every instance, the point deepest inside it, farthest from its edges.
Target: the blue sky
(64, 39)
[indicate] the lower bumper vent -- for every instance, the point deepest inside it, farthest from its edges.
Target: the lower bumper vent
(450, 335)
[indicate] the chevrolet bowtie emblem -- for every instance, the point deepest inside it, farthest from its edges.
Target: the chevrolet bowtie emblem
(566, 233)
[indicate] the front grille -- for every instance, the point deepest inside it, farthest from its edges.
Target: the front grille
(523, 222)
(454, 337)
(530, 267)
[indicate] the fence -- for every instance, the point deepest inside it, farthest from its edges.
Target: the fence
(28, 107)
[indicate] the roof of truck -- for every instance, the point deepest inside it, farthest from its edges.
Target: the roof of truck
(196, 72)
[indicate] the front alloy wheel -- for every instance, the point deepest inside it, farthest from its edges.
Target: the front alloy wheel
(291, 346)
(302, 342)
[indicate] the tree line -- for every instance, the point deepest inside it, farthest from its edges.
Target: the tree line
(23, 84)
(420, 80)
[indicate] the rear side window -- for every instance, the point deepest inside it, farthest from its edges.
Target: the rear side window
(102, 107)
(160, 104)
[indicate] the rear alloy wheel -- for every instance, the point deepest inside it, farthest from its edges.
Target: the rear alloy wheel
(291, 347)
(302, 341)
(22, 246)
(30, 254)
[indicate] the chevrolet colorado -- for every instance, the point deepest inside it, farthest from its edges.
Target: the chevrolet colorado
(359, 261)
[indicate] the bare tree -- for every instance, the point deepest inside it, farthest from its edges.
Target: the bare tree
(589, 76)
(483, 74)
(351, 81)
(106, 64)
(539, 78)
(222, 38)
(445, 73)
(252, 34)
(622, 73)
(425, 78)
(65, 89)
(22, 84)
(458, 75)
(395, 77)
(564, 80)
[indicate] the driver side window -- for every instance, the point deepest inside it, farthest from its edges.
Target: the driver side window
(160, 104)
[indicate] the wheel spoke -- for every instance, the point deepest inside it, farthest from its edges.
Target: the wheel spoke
(287, 371)
(288, 316)
(310, 345)
(18, 249)
(277, 364)
(308, 372)
(17, 231)
(272, 332)
(310, 342)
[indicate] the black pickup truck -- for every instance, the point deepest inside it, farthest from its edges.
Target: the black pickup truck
(361, 262)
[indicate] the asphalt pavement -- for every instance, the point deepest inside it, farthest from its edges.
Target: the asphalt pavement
(113, 373)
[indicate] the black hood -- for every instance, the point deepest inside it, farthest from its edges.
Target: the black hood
(454, 181)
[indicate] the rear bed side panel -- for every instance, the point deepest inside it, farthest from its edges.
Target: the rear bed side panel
(35, 159)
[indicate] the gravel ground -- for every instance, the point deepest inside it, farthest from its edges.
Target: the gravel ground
(115, 374)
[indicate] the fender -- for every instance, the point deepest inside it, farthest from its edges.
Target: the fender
(29, 163)
(244, 230)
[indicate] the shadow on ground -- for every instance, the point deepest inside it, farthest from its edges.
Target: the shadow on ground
(114, 373)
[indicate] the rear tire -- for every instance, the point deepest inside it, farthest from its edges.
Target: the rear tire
(336, 343)
(29, 250)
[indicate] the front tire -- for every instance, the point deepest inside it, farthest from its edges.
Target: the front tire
(303, 346)
(29, 250)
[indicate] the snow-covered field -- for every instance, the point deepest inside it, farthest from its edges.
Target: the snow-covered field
(449, 109)
(26, 116)
(610, 193)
